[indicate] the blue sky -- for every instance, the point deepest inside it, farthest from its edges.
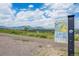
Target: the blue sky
(26, 5)
(36, 14)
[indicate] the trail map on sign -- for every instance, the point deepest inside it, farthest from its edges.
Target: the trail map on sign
(61, 30)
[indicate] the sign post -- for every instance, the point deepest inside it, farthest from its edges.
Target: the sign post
(64, 32)
(71, 35)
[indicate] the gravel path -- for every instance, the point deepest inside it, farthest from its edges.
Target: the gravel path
(16, 45)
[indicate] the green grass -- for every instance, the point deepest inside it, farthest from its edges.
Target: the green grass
(76, 51)
(39, 34)
(76, 37)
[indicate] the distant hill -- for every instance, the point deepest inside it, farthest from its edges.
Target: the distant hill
(25, 28)
(18, 27)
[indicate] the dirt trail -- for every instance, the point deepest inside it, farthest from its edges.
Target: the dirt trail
(16, 45)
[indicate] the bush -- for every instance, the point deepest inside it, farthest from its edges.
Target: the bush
(43, 37)
(77, 37)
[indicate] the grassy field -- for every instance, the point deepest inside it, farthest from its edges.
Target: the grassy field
(76, 37)
(76, 51)
(39, 34)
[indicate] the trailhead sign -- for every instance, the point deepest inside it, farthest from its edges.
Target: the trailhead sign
(64, 32)
(61, 30)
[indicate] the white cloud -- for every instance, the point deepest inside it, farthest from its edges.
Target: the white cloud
(27, 15)
(49, 23)
(24, 15)
(7, 17)
(58, 6)
(77, 24)
(61, 6)
(5, 10)
(76, 9)
(31, 6)
(34, 18)
(58, 10)
(6, 14)
(38, 19)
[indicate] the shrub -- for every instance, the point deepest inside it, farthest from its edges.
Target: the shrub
(77, 37)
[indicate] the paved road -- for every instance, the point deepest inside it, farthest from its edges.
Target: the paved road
(16, 45)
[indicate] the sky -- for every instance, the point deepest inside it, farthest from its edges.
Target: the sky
(36, 14)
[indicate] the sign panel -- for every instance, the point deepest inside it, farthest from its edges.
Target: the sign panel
(61, 30)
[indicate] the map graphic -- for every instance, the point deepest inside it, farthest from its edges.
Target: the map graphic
(61, 26)
(61, 30)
